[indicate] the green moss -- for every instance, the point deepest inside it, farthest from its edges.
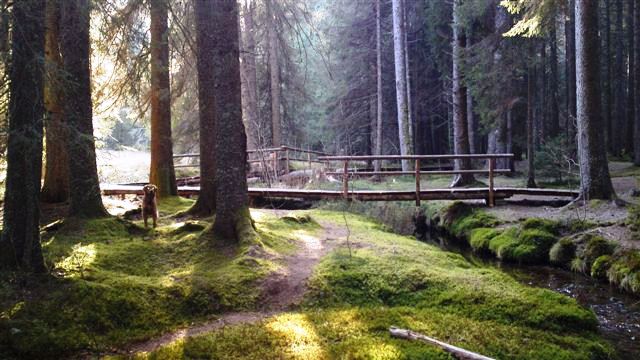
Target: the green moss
(116, 283)
(549, 226)
(174, 204)
(462, 226)
(480, 238)
(390, 280)
(625, 271)
(562, 252)
(590, 247)
(600, 267)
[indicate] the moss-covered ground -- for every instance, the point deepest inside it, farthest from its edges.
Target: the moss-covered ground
(113, 282)
(392, 280)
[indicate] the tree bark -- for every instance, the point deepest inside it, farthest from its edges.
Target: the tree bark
(554, 116)
(631, 88)
(274, 76)
(404, 128)
(162, 173)
(20, 241)
(531, 91)
(459, 101)
(233, 221)
(205, 54)
(607, 94)
(249, 76)
(636, 129)
(378, 142)
(86, 200)
(56, 177)
(619, 75)
(594, 171)
(570, 38)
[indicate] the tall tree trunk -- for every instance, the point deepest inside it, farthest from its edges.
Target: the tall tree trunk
(404, 127)
(20, 241)
(233, 221)
(162, 172)
(636, 129)
(86, 200)
(619, 74)
(407, 68)
(607, 91)
(205, 53)
(631, 88)
(531, 95)
(594, 170)
(378, 142)
(459, 91)
(471, 120)
(554, 116)
(274, 76)
(249, 76)
(570, 40)
(56, 177)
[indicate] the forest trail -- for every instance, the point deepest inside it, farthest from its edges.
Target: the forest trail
(280, 291)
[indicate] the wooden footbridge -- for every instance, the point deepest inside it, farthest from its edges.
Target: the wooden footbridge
(272, 165)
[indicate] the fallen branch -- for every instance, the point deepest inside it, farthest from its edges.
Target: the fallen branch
(456, 351)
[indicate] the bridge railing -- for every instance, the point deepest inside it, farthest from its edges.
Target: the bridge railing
(418, 160)
(272, 162)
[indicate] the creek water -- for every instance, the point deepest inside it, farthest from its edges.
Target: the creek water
(618, 313)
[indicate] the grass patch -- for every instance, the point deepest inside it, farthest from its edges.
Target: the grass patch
(395, 280)
(115, 283)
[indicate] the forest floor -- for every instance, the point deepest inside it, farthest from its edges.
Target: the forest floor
(321, 284)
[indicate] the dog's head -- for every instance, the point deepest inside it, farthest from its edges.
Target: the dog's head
(150, 190)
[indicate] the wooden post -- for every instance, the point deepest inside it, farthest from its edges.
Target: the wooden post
(309, 160)
(345, 180)
(286, 156)
(417, 182)
(492, 164)
(275, 164)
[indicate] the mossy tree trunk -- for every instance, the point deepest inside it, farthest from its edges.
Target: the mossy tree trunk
(379, 110)
(206, 42)
(459, 92)
(20, 241)
(594, 171)
(232, 213)
(86, 200)
(570, 39)
(56, 177)
(162, 173)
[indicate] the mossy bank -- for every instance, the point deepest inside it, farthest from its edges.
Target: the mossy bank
(388, 280)
(568, 244)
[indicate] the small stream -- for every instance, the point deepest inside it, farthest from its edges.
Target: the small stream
(617, 312)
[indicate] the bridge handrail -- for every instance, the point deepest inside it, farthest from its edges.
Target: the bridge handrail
(414, 157)
(491, 171)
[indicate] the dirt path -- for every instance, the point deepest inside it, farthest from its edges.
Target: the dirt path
(281, 291)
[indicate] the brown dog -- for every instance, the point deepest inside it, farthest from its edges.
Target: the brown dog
(150, 204)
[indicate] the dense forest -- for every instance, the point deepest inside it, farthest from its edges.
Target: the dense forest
(91, 89)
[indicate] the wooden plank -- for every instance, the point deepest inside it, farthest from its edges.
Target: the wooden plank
(345, 179)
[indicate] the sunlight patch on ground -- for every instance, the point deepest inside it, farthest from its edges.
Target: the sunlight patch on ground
(81, 256)
(300, 334)
(312, 242)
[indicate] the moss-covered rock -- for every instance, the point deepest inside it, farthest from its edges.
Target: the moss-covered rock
(625, 270)
(463, 226)
(562, 252)
(480, 238)
(549, 226)
(600, 267)
(590, 247)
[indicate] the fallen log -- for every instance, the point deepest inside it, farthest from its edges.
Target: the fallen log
(459, 353)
